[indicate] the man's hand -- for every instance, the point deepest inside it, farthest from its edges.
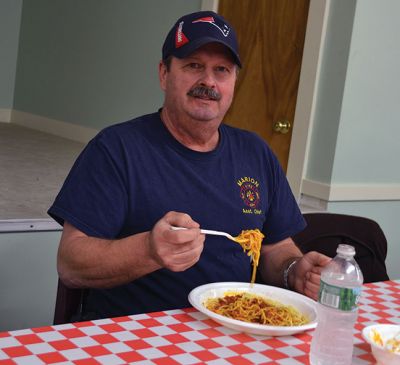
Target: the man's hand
(305, 276)
(176, 250)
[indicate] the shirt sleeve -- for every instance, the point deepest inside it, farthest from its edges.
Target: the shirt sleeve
(283, 218)
(93, 197)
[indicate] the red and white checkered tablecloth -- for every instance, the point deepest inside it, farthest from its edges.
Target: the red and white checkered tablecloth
(182, 337)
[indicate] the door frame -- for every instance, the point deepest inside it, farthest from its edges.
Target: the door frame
(307, 91)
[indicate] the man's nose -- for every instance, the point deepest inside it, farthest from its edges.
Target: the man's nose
(207, 78)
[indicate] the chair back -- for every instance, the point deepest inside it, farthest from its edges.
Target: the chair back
(325, 231)
(68, 302)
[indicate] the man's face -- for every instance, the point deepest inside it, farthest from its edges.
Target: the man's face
(201, 85)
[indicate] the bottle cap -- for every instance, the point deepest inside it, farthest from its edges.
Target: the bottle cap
(346, 250)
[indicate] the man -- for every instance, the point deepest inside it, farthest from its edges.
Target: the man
(178, 167)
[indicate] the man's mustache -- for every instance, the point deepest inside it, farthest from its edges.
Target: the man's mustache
(202, 91)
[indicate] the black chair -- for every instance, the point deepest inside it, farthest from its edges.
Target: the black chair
(325, 231)
(68, 303)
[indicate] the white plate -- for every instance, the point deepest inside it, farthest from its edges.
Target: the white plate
(381, 354)
(302, 303)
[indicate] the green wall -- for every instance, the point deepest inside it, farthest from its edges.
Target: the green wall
(93, 62)
(355, 133)
(368, 139)
(330, 91)
(10, 15)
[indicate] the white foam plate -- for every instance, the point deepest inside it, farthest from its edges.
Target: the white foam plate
(305, 305)
(382, 355)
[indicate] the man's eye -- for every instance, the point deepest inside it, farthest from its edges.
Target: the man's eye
(223, 69)
(194, 65)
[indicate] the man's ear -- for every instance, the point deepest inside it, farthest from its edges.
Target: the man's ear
(162, 74)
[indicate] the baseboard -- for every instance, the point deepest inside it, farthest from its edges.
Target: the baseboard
(28, 225)
(5, 115)
(52, 126)
(310, 204)
(350, 192)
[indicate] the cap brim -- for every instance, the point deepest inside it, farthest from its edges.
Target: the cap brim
(192, 46)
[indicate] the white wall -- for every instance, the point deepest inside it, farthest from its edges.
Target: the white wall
(28, 279)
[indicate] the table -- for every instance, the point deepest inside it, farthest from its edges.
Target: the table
(183, 337)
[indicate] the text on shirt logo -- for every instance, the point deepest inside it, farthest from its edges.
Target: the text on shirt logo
(250, 194)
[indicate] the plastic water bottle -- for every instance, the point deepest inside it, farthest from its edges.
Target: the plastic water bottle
(337, 310)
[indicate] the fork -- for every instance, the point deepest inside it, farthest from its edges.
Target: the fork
(208, 231)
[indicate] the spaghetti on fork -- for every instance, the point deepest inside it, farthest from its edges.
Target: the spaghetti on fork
(251, 240)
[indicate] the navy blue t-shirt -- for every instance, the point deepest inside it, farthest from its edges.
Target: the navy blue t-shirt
(131, 174)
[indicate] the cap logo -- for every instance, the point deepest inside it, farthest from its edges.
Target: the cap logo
(180, 38)
(210, 20)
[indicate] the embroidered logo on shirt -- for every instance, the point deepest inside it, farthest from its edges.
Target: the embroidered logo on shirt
(250, 194)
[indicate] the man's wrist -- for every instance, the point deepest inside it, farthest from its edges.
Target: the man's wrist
(289, 268)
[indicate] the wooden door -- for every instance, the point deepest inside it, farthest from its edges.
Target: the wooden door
(271, 38)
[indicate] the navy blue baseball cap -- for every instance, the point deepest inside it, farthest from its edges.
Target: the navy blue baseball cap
(193, 30)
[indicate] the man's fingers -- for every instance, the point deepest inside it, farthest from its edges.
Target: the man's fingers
(178, 219)
(179, 237)
(183, 260)
(317, 258)
(313, 278)
(311, 293)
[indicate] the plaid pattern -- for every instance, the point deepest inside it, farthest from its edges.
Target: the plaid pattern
(183, 337)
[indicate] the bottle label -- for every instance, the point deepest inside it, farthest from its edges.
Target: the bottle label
(345, 299)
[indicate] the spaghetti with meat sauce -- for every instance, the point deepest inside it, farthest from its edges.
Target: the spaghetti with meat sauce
(255, 309)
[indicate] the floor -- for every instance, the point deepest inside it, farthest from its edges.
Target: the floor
(33, 166)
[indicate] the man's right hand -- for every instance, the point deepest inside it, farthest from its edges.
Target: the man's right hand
(176, 250)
